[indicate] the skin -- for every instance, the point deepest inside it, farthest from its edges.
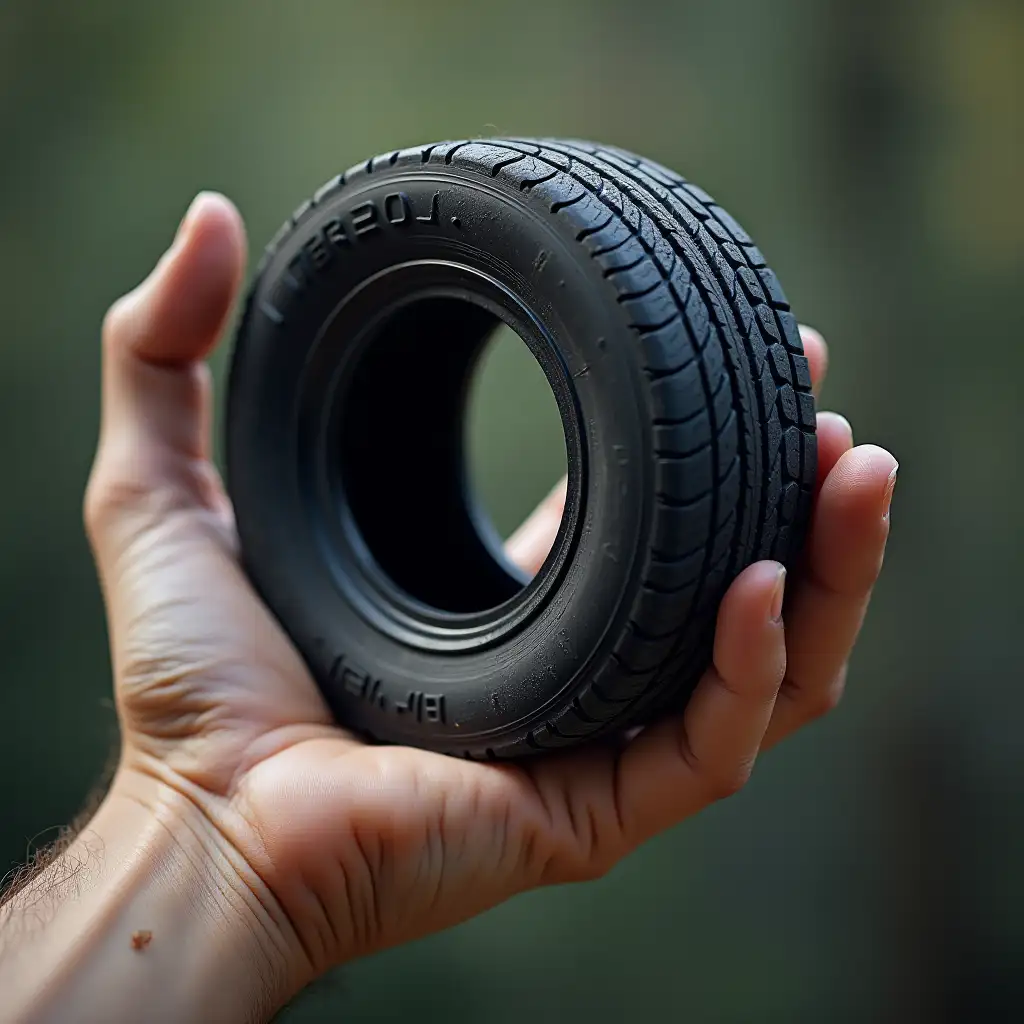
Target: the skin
(257, 843)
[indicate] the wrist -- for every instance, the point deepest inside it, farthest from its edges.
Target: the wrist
(150, 915)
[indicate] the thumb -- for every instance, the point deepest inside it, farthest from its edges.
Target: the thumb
(155, 422)
(529, 546)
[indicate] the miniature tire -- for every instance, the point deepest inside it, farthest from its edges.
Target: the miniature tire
(685, 399)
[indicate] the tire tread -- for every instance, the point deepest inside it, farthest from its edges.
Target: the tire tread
(728, 392)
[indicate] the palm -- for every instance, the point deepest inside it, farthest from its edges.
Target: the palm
(366, 846)
(211, 688)
(398, 842)
(205, 673)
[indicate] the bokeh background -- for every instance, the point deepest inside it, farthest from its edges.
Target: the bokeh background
(874, 869)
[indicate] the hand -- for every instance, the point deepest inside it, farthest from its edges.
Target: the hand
(329, 848)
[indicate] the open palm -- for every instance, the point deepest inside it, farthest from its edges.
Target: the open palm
(345, 847)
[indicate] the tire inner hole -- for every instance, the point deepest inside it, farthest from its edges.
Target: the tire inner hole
(450, 436)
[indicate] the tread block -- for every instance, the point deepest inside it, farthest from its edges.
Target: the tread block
(676, 398)
(685, 478)
(772, 287)
(780, 363)
(808, 413)
(788, 404)
(790, 501)
(682, 438)
(680, 527)
(790, 331)
(668, 349)
(792, 444)
(801, 373)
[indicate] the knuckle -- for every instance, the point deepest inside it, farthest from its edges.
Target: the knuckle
(777, 677)
(572, 868)
(855, 579)
(95, 505)
(108, 495)
(863, 580)
(717, 782)
(599, 868)
(114, 319)
(573, 861)
(603, 857)
(825, 700)
(724, 784)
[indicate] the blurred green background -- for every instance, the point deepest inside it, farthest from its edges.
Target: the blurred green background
(874, 868)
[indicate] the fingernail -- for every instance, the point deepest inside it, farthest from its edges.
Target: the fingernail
(777, 595)
(889, 487)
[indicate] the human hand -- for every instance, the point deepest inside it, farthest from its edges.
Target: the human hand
(325, 848)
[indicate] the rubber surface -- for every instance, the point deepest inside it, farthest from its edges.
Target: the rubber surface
(685, 397)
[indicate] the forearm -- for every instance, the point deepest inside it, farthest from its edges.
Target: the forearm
(141, 918)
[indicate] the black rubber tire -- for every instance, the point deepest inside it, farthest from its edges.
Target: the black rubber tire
(685, 397)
